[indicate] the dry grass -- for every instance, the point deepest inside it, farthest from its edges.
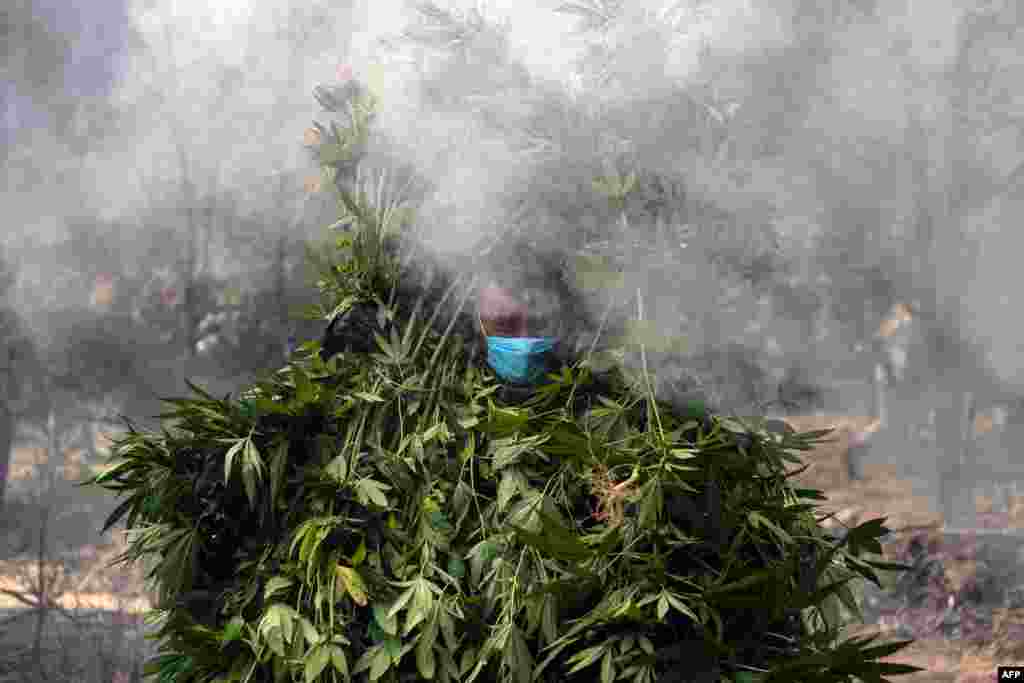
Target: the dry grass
(883, 494)
(25, 459)
(94, 585)
(942, 661)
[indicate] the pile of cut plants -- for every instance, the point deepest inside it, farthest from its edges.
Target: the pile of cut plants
(380, 515)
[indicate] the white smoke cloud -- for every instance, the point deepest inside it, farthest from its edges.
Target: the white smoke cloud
(225, 83)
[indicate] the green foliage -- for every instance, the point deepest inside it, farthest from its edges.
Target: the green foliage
(382, 517)
(360, 510)
(390, 521)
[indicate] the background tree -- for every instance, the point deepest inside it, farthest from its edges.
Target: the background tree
(15, 350)
(38, 78)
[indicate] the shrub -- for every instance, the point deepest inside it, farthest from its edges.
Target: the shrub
(380, 512)
(381, 516)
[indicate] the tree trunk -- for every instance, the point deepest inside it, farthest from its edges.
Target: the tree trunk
(280, 286)
(6, 425)
(878, 405)
(46, 498)
(6, 443)
(950, 442)
(967, 452)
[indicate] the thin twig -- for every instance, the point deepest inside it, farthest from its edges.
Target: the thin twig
(643, 359)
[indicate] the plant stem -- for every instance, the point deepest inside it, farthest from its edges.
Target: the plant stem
(451, 323)
(433, 317)
(643, 359)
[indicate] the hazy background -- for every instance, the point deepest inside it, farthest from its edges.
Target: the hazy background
(800, 167)
(764, 180)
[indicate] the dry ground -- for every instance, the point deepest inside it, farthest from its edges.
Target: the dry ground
(95, 585)
(883, 494)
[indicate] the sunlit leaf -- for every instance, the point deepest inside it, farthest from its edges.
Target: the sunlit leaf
(316, 661)
(339, 660)
(380, 664)
(351, 583)
(360, 553)
(337, 468)
(371, 491)
(275, 584)
(233, 630)
(425, 662)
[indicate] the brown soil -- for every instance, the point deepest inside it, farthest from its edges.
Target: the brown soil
(95, 585)
(883, 494)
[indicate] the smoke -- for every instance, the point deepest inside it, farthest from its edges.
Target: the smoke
(800, 122)
(989, 298)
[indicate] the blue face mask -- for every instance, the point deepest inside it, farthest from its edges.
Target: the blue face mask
(519, 359)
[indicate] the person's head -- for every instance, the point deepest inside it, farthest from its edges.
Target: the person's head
(902, 312)
(520, 311)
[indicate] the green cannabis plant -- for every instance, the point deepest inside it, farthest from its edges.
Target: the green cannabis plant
(379, 514)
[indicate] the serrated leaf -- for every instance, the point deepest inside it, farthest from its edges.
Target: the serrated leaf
(456, 567)
(252, 471)
(511, 484)
(651, 504)
(607, 668)
(757, 519)
(316, 661)
(230, 457)
(275, 584)
(309, 631)
(339, 661)
(680, 606)
(334, 153)
(365, 660)
(387, 621)
(448, 629)
(277, 468)
(113, 470)
(373, 491)
(439, 521)
(585, 658)
(360, 553)
(555, 540)
(233, 630)
(425, 649)
(337, 468)
(662, 607)
(467, 660)
(422, 605)
(747, 582)
(508, 452)
(305, 391)
(401, 601)
(380, 664)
